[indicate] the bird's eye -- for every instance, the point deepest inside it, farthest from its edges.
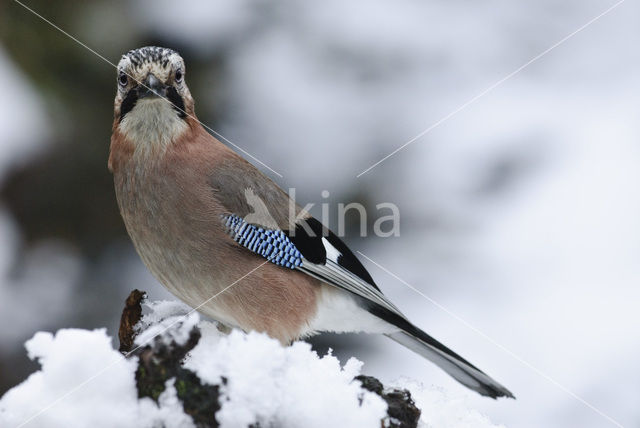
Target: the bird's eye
(123, 79)
(178, 75)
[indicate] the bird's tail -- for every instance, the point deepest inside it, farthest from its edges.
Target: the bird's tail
(456, 366)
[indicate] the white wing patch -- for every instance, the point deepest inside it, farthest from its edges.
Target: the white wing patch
(332, 252)
(334, 274)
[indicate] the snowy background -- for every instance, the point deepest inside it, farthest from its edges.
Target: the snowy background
(520, 214)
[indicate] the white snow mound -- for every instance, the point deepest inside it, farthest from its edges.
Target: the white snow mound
(83, 381)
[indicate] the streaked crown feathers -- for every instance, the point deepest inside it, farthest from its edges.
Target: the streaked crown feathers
(162, 62)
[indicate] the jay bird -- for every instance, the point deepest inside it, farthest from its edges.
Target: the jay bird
(201, 217)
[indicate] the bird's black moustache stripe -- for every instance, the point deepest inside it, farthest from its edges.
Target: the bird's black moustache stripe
(130, 100)
(128, 103)
(176, 101)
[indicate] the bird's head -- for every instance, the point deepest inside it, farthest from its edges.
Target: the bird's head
(152, 99)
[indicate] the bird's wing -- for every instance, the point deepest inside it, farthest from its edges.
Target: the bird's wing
(258, 216)
(312, 250)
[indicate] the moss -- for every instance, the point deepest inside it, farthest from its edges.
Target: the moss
(160, 362)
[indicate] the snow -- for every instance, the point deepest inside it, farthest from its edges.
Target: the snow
(443, 409)
(83, 381)
(168, 413)
(171, 321)
(67, 359)
(266, 382)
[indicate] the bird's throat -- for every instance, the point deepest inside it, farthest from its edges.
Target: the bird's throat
(152, 125)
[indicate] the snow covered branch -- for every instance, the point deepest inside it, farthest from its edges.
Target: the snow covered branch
(175, 370)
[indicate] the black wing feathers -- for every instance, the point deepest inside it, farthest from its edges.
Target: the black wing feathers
(309, 244)
(312, 248)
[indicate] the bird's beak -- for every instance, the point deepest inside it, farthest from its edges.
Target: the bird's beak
(152, 87)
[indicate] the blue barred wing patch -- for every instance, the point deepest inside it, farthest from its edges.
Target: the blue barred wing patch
(274, 245)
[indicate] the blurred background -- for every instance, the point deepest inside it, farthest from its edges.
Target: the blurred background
(520, 214)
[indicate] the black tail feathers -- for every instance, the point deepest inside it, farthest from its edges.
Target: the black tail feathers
(456, 366)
